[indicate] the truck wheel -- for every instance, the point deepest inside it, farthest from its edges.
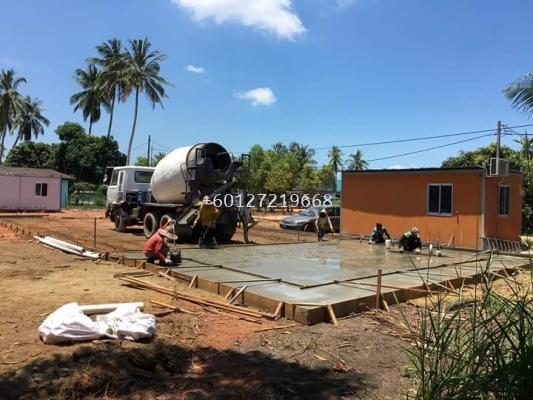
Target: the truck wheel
(164, 219)
(150, 224)
(120, 222)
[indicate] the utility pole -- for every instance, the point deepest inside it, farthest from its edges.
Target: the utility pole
(499, 132)
(148, 155)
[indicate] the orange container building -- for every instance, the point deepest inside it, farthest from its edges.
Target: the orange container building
(460, 206)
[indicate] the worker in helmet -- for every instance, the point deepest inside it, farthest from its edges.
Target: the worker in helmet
(207, 216)
(378, 234)
(156, 247)
(322, 222)
(410, 241)
(245, 216)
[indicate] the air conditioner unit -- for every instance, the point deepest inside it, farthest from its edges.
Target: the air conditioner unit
(499, 167)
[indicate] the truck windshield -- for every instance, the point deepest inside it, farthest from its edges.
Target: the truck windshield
(142, 176)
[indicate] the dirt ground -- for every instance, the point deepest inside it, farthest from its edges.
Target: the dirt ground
(201, 356)
(79, 227)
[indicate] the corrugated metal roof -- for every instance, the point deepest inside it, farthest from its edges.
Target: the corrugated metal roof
(34, 172)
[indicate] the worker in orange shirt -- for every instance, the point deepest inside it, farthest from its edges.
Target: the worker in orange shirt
(156, 247)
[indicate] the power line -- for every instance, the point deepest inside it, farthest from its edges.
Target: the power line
(160, 145)
(431, 148)
(409, 140)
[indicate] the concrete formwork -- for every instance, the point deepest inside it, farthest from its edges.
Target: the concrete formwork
(307, 281)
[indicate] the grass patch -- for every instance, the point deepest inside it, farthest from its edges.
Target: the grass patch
(481, 350)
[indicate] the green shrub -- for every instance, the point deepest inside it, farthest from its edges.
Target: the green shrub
(483, 351)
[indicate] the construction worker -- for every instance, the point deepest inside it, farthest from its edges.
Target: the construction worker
(156, 247)
(246, 218)
(321, 223)
(207, 216)
(377, 234)
(410, 241)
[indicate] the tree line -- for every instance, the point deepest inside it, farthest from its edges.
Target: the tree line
(117, 72)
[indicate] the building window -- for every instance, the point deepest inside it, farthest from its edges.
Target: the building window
(504, 201)
(41, 189)
(440, 199)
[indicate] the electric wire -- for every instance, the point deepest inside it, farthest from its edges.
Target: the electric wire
(431, 148)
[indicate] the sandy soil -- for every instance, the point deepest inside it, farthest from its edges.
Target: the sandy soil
(199, 356)
(79, 227)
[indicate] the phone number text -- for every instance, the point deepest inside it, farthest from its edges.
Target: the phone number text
(272, 200)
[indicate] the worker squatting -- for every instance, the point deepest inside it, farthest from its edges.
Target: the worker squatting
(410, 241)
(156, 248)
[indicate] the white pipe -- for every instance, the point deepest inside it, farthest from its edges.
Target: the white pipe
(66, 249)
(91, 309)
(66, 244)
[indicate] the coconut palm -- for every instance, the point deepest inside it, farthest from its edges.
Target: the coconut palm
(10, 100)
(336, 162)
(30, 120)
(356, 161)
(141, 74)
(91, 99)
(521, 93)
(112, 61)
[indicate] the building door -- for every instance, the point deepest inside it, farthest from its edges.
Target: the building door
(115, 188)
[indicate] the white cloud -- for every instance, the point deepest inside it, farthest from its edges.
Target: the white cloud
(194, 70)
(399, 166)
(271, 16)
(259, 96)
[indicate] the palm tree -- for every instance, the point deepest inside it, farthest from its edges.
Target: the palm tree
(112, 62)
(521, 93)
(142, 75)
(30, 120)
(9, 103)
(335, 161)
(92, 97)
(356, 161)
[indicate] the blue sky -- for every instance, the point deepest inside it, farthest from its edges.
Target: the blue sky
(319, 72)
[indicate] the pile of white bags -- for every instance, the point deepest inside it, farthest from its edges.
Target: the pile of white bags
(69, 323)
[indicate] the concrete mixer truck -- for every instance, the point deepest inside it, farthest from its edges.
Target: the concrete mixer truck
(149, 197)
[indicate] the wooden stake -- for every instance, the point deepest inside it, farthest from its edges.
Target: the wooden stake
(229, 293)
(170, 278)
(194, 299)
(193, 281)
(332, 315)
(276, 328)
(238, 294)
(378, 290)
(277, 313)
(175, 308)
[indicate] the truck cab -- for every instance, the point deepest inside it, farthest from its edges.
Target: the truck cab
(123, 186)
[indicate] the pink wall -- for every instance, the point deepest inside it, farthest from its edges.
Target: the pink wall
(18, 193)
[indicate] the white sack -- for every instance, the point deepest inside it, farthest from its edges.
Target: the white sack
(69, 323)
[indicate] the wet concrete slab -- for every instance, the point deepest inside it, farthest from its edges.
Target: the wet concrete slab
(339, 273)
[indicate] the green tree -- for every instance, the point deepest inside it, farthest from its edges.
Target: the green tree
(520, 92)
(92, 96)
(356, 161)
(335, 156)
(32, 155)
(282, 172)
(254, 171)
(86, 157)
(30, 120)
(142, 74)
(142, 161)
(327, 179)
(10, 100)
(309, 181)
(112, 62)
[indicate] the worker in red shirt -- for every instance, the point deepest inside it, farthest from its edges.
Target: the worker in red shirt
(156, 247)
